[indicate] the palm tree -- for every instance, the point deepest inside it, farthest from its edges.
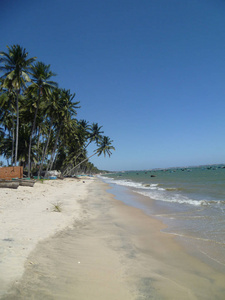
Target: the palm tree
(65, 115)
(83, 134)
(5, 147)
(41, 88)
(23, 145)
(17, 67)
(46, 127)
(39, 122)
(70, 144)
(94, 135)
(104, 148)
(7, 116)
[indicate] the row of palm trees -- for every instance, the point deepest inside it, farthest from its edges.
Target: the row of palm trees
(38, 120)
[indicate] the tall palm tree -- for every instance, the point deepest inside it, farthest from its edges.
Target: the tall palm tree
(24, 144)
(84, 124)
(65, 114)
(7, 117)
(48, 126)
(105, 147)
(70, 144)
(41, 88)
(94, 135)
(16, 67)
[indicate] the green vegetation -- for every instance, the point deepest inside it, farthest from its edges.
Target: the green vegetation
(39, 129)
(57, 207)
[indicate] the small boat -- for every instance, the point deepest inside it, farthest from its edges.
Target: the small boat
(26, 182)
(52, 177)
(76, 176)
(9, 184)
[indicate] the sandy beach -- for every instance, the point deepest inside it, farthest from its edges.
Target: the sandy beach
(96, 247)
(28, 216)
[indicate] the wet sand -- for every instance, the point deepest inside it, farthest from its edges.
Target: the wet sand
(114, 251)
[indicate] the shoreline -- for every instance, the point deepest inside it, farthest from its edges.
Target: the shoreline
(113, 251)
(180, 273)
(207, 250)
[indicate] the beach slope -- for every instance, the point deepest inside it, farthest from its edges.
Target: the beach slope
(96, 247)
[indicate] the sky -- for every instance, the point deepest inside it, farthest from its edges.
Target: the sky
(151, 72)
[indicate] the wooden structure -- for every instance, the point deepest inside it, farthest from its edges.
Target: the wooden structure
(8, 173)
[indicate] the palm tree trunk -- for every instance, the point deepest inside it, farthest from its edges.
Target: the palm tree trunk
(79, 154)
(72, 161)
(38, 145)
(54, 161)
(83, 161)
(30, 144)
(17, 126)
(75, 158)
(69, 167)
(13, 142)
(54, 149)
(65, 172)
(45, 151)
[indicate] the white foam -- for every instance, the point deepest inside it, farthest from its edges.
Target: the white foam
(129, 183)
(155, 192)
(172, 199)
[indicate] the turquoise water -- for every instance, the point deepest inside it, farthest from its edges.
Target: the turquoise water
(190, 201)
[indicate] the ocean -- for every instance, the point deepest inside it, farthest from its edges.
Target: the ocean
(189, 201)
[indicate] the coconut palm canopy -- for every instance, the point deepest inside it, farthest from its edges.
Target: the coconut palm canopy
(39, 128)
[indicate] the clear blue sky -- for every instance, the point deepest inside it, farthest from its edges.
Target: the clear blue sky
(152, 72)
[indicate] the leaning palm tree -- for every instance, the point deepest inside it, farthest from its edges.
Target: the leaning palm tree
(85, 135)
(105, 147)
(40, 88)
(16, 67)
(93, 136)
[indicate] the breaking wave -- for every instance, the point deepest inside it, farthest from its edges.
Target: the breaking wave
(157, 192)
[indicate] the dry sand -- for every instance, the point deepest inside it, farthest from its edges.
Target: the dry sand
(27, 216)
(96, 248)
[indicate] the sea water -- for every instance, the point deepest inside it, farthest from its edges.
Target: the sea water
(190, 201)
